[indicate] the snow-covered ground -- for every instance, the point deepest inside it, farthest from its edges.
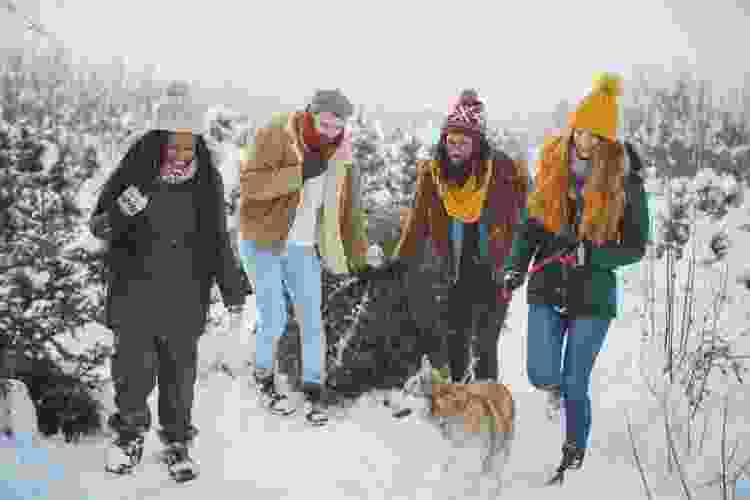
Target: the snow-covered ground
(366, 454)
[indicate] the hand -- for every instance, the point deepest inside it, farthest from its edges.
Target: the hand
(313, 166)
(132, 201)
(566, 241)
(513, 280)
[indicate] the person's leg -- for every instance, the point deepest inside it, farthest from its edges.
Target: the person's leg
(177, 375)
(544, 347)
(302, 273)
(490, 320)
(134, 368)
(584, 342)
(460, 324)
(263, 268)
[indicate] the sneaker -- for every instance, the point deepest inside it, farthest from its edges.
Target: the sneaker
(181, 466)
(276, 403)
(315, 413)
(124, 454)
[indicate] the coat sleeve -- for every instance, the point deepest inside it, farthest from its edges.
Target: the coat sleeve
(265, 173)
(106, 208)
(529, 234)
(230, 277)
(415, 228)
(636, 228)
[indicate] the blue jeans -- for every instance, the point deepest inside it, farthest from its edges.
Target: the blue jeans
(297, 267)
(547, 366)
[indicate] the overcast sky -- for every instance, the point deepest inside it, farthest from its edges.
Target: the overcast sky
(521, 55)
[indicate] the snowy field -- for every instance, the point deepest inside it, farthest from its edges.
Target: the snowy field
(366, 454)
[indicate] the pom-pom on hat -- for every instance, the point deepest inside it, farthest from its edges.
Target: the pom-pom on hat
(467, 115)
(176, 112)
(598, 111)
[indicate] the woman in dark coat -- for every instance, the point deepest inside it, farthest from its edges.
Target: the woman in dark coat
(162, 212)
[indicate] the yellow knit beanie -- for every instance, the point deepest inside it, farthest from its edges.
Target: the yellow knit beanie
(598, 111)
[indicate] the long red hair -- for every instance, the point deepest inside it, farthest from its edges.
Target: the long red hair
(603, 195)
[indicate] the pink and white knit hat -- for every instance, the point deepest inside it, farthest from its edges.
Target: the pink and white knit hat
(467, 114)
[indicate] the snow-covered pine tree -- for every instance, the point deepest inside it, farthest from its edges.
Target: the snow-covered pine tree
(47, 294)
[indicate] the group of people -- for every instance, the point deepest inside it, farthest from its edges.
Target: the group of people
(162, 214)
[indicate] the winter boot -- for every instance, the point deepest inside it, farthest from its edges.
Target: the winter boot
(278, 404)
(315, 410)
(181, 466)
(124, 454)
(572, 459)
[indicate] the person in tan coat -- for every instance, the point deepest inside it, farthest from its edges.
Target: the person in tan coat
(299, 209)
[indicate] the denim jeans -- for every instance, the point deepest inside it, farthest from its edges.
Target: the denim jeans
(297, 268)
(548, 365)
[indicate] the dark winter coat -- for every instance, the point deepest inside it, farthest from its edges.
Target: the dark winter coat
(428, 219)
(591, 290)
(162, 262)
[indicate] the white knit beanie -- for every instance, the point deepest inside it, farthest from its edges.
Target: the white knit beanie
(177, 111)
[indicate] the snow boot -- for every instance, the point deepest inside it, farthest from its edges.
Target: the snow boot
(278, 404)
(181, 466)
(315, 411)
(572, 460)
(124, 454)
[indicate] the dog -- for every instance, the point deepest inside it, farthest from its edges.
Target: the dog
(477, 415)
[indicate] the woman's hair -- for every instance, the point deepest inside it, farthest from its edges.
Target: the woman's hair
(603, 194)
(140, 165)
(477, 160)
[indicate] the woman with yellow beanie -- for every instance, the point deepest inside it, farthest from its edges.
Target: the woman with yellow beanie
(586, 216)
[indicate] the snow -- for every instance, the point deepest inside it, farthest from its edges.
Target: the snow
(366, 454)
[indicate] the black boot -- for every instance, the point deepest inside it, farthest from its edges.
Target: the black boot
(181, 466)
(572, 459)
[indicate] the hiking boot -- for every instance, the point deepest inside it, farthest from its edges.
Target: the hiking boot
(271, 399)
(124, 454)
(572, 459)
(181, 466)
(573, 456)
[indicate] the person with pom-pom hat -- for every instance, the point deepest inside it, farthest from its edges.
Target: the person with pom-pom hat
(161, 214)
(587, 216)
(468, 201)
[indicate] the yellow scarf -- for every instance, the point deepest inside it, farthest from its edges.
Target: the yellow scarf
(465, 202)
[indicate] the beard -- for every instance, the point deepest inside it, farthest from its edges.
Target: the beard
(455, 170)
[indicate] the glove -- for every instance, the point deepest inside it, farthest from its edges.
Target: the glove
(565, 241)
(313, 165)
(391, 270)
(132, 201)
(513, 280)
